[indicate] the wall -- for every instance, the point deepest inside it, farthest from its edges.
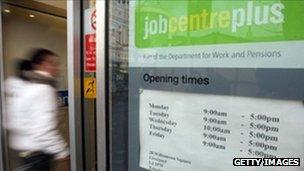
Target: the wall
(23, 33)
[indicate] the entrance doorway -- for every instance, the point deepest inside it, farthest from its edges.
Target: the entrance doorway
(36, 24)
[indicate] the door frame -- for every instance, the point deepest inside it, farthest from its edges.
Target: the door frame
(74, 45)
(75, 41)
(74, 50)
(2, 101)
(101, 80)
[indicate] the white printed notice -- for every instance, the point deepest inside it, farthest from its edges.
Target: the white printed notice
(195, 132)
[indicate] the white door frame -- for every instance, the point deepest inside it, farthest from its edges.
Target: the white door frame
(101, 103)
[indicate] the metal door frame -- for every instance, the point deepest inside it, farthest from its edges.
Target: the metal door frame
(74, 46)
(74, 22)
(101, 78)
(2, 100)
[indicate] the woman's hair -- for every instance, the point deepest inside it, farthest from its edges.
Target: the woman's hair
(35, 57)
(23, 65)
(38, 56)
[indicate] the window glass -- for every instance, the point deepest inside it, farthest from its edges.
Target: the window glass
(210, 81)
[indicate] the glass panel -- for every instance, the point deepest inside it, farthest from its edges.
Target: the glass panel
(25, 28)
(118, 76)
(209, 81)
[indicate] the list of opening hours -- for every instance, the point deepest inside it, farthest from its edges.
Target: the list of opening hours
(259, 132)
(180, 131)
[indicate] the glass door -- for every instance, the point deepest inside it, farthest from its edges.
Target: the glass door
(27, 26)
(112, 84)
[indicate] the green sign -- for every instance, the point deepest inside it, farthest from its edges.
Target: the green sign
(162, 23)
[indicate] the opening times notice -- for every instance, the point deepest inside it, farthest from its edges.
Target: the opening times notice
(180, 131)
